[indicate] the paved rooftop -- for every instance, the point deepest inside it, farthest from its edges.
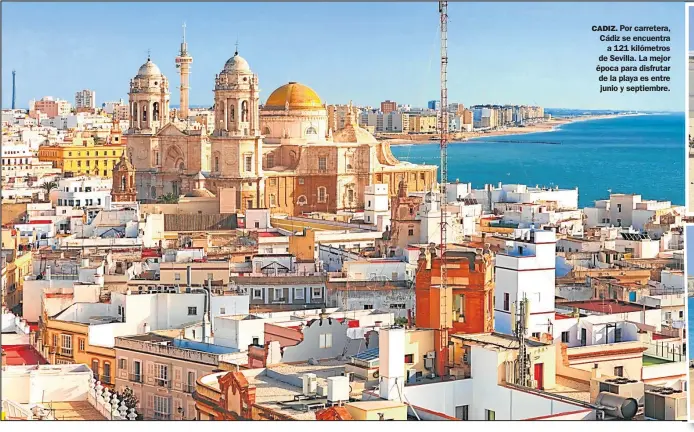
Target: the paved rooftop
(75, 411)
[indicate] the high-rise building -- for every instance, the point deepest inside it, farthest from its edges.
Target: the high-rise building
(388, 106)
(338, 114)
(434, 104)
(85, 99)
(49, 106)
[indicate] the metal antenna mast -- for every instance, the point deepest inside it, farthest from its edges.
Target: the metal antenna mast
(443, 128)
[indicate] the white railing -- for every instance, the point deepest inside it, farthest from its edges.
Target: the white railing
(107, 404)
(15, 411)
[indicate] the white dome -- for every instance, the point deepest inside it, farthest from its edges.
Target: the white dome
(237, 64)
(148, 69)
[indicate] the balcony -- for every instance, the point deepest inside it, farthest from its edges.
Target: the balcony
(66, 352)
(162, 383)
(135, 378)
(106, 379)
(187, 388)
(161, 416)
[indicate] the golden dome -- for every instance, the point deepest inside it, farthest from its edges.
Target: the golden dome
(294, 96)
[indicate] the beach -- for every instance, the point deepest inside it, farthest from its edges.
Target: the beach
(545, 126)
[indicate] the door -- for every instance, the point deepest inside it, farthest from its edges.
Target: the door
(539, 373)
(632, 296)
(584, 337)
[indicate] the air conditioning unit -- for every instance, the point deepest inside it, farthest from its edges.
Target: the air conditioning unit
(310, 384)
(322, 391)
(338, 389)
(665, 403)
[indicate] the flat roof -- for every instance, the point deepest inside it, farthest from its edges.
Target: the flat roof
(20, 355)
(606, 306)
(500, 340)
(158, 339)
(81, 410)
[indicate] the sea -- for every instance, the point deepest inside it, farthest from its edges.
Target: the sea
(642, 154)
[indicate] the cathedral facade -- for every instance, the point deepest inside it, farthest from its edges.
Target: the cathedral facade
(279, 155)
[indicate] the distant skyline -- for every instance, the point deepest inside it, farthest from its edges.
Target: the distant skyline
(499, 53)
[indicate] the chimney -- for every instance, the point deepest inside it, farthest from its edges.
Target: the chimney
(391, 368)
(189, 274)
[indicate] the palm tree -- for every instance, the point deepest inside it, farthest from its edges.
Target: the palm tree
(169, 198)
(48, 187)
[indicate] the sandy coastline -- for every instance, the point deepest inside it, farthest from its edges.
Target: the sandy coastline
(547, 126)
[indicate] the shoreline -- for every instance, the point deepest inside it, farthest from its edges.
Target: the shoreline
(462, 137)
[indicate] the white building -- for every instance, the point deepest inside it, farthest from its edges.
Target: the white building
(85, 99)
(639, 245)
(82, 191)
(377, 205)
(568, 222)
(565, 199)
(526, 269)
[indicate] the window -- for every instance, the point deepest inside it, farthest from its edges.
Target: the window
(619, 371)
(249, 163)
(191, 381)
(301, 181)
(535, 335)
(278, 294)
(489, 415)
(55, 341)
(410, 232)
(123, 363)
(107, 372)
(565, 337)
(317, 292)
(619, 208)
(272, 200)
(161, 375)
(95, 369)
(81, 345)
(397, 305)
(409, 358)
(256, 341)
(321, 194)
(192, 310)
(161, 407)
(507, 300)
(222, 311)
(299, 293)
(177, 276)
(257, 293)
(461, 412)
(368, 306)
(137, 368)
(270, 161)
(618, 335)
(326, 340)
(322, 164)
(66, 344)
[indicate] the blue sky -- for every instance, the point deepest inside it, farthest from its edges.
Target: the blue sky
(689, 236)
(527, 53)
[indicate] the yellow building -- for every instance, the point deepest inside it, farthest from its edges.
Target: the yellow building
(82, 156)
(377, 410)
(67, 342)
(16, 269)
(423, 124)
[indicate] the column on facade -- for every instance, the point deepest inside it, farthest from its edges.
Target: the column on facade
(150, 114)
(226, 115)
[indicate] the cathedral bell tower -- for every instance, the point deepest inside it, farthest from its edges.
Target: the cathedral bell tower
(123, 189)
(149, 100)
(236, 97)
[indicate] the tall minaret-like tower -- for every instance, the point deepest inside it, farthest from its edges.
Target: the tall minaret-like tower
(183, 61)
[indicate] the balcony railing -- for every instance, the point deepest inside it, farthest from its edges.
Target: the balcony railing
(161, 416)
(189, 388)
(106, 379)
(135, 378)
(66, 352)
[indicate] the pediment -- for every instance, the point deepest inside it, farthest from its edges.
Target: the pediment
(170, 130)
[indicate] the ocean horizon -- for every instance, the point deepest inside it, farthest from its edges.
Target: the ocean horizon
(642, 154)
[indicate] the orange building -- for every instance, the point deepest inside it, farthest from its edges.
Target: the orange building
(468, 304)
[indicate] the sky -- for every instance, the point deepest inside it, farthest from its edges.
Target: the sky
(516, 53)
(689, 236)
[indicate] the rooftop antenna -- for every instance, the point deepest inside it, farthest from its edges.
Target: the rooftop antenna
(237, 46)
(14, 73)
(443, 128)
(148, 54)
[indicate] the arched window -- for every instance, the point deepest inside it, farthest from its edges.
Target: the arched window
(134, 112)
(244, 111)
(216, 163)
(155, 111)
(266, 131)
(311, 131)
(182, 166)
(122, 183)
(144, 113)
(322, 194)
(231, 113)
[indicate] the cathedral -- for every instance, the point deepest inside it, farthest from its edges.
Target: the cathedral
(280, 154)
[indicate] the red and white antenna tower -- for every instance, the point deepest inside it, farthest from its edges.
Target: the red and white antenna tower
(443, 128)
